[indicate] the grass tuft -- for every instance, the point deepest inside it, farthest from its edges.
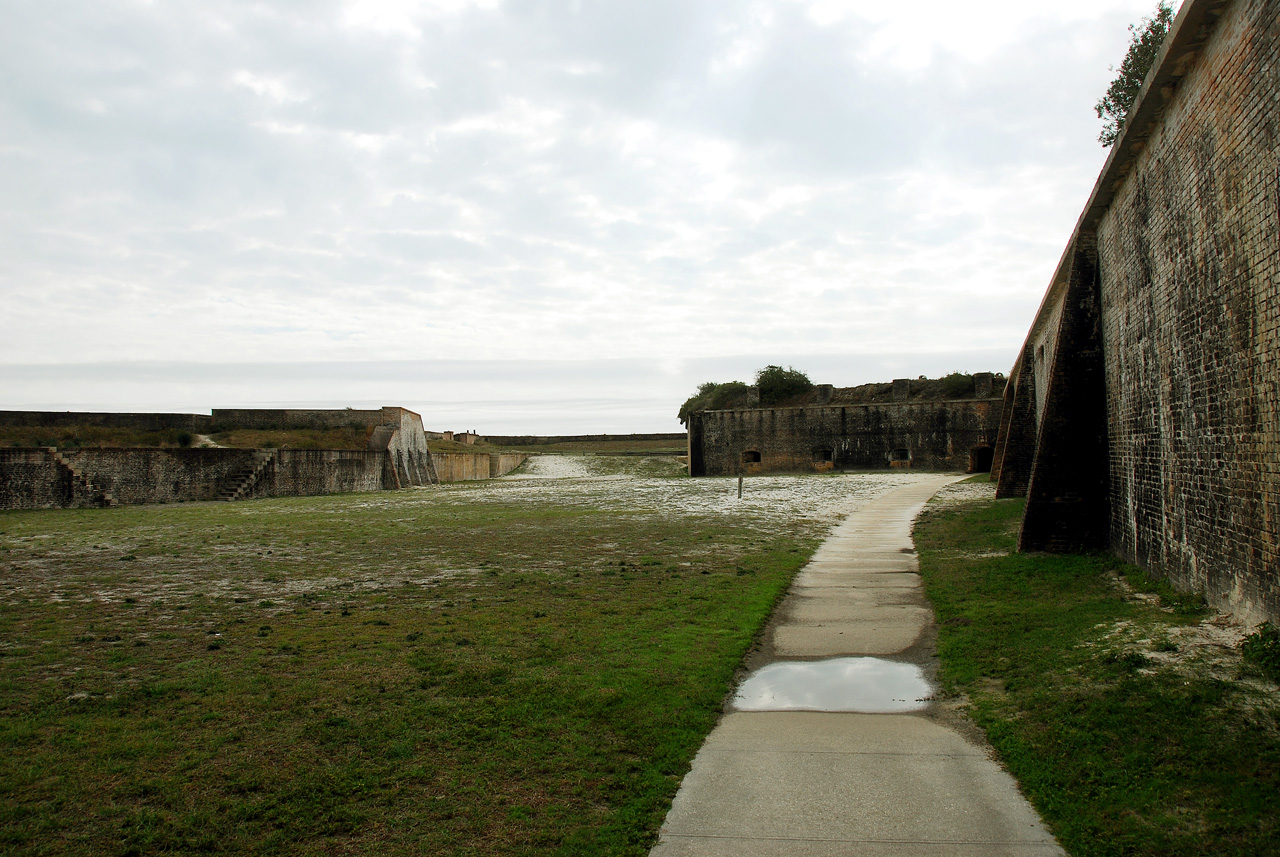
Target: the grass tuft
(1262, 648)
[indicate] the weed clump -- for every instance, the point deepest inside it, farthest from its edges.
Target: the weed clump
(1262, 648)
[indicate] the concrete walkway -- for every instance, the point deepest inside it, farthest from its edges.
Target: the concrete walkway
(799, 781)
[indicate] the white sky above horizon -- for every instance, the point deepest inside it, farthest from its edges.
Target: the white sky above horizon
(533, 216)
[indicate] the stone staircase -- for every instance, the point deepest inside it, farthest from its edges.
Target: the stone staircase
(101, 496)
(241, 481)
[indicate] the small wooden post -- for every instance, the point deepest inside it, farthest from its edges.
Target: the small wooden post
(739, 485)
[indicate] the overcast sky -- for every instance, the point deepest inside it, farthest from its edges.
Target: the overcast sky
(530, 216)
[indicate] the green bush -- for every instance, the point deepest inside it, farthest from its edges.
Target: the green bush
(957, 384)
(714, 397)
(778, 385)
(1262, 647)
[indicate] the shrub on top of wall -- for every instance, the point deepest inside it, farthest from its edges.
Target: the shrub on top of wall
(957, 384)
(778, 385)
(714, 397)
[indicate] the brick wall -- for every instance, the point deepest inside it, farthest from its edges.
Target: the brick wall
(307, 472)
(468, 466)
(937, 436)
(137, 476)
(1066, 490)
(139, 422)
(1191, 321)
(281, 418)
(1183, 230)
(539, 440)
(32, 479)
(409, 461)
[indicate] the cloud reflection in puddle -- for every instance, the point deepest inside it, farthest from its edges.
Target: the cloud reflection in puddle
(864, 685)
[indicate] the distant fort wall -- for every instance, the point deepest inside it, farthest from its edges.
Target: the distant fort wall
(397, 457)
(79, 478)
(931, 435)
(289, 418)
(546, 440)
(468, 466)
(139, 422)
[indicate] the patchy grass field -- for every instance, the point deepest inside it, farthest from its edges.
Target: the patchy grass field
(1123, 709)
(523, 666)
(92, 437)
(346, 437)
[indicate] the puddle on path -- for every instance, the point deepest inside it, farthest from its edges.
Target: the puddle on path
(863, 685)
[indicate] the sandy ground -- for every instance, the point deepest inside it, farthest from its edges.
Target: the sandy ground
(267, 571)
(645, 483)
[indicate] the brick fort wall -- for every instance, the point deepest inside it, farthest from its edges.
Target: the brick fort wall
(1190, 283)
(937, 435)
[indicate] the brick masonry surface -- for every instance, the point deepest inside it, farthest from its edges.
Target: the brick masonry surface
(937, 435)
(1184, 232)
(466, 466)
(280, 418)
(141, 422)
(34, 479)
(1191, 325)
(398, 457)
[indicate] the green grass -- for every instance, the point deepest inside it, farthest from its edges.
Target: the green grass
(1124, 747)
(89, 436)
(462, 670)
(346, 437)
(1262, 648)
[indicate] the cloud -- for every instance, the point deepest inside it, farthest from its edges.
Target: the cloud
(579, 181)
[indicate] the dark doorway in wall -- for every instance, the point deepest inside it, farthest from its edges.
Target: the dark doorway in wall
(750, 456)
(980, 458)
(900, 457)
(821, 455)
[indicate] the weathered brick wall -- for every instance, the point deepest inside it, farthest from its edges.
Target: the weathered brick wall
(1066, 489)
(938, 435)
(502, 463)
(1042, 347)
(137, 476)
(31, 479)
(539, 440)
(139, 422)
(308, 472)
(1190, 269)
(405, 442)
(467, 466)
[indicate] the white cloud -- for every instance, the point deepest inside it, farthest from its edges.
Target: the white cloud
(272, 88)
(405, 17)
(669, 180)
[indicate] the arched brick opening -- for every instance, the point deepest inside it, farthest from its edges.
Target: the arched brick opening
(751, 456)
(980, 458)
